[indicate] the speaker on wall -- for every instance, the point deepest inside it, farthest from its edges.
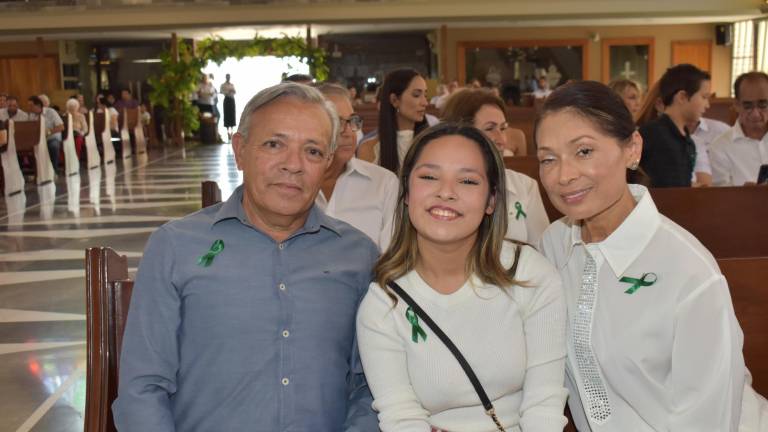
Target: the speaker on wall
(724, 34)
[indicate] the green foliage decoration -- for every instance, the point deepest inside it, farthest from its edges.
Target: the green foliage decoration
(172, 87)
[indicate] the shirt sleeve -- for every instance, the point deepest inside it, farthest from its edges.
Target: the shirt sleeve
(386, 368)
(702, 164)
(721, 167)
(707, 374)
(390, 203)
(149, 360)
(544, 393)
(537, 220)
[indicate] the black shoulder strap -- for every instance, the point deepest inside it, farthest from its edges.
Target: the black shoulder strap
(451, 347)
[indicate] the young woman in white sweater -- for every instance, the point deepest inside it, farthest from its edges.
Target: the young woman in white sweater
(499, 302)
(653, 341)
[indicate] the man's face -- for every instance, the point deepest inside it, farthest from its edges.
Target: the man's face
(283, 159)
(347, 141)
(697, 104)
(125, 95)
(34, 108)
(752, 104)
(3, 102)
(13, 107)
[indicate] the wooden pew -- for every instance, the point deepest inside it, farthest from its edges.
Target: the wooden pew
(369, 112)
(523, 118)
(108, 294)
(722, 109)
(747, 283)
(729, 221)
(211, 194)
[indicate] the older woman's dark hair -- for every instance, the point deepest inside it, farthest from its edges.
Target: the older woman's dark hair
(595, 102)
(598, 104)
(395, 83)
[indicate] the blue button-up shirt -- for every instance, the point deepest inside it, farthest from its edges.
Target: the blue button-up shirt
(260, 340)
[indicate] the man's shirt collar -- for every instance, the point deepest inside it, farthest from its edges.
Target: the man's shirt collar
(233, 208)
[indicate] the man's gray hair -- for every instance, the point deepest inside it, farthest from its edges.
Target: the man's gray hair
(331, 89)
(289, 89)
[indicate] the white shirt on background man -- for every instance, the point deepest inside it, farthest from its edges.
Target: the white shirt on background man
(736, 158)
(365, 196)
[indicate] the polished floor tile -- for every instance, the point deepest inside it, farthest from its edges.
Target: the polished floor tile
(43, 236)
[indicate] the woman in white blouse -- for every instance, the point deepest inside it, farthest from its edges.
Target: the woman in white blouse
(526, 214)
(402, 108)
(500, 302)
(653, 342)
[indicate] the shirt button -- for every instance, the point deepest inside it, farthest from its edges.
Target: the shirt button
(285, 381)
(281, 286)
(286, 333)
(281, 246)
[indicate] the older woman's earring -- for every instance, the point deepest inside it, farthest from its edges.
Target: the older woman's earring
(634, 165)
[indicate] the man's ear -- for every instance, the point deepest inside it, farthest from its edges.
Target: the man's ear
(238, 146)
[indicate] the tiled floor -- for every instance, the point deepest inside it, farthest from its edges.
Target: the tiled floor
(43, 236)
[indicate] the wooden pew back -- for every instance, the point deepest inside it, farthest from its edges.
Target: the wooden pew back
(98, 124)
(369, 112)
(26, 135)
(108, 294)
(729, 221)
(722, 109)
(211, 194)
(746, 280)
(131, 117)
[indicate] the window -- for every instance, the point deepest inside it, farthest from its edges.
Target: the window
(743, 49)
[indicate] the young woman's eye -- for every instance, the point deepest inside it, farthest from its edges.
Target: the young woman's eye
(469, 181)
(427, 177)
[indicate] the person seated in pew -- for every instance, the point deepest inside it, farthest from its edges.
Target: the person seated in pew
(669, 153)
(500, 302)
(243, 314)
(525, 210)
(630, 93)
(79, 125)
(358, 192)
(12, 111)
(3, 100)
(53, 127)
(402, 106)
(103, 104)
(738, 154)
(653, 341)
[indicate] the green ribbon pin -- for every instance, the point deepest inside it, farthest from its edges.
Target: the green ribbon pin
(416, 329)
(207, 259)
(647, 279)
(520, 212)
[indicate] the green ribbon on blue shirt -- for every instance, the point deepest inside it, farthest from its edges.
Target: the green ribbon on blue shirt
(637, 283)
(207, 259)
(416, 329)
(520, 212)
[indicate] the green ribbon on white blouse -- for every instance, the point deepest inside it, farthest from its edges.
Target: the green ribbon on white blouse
(647, 279)
(416, 329)
(520, 212)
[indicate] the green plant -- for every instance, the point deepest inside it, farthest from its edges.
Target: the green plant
(179, 79)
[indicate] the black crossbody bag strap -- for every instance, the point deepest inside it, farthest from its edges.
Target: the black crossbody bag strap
(453, 349)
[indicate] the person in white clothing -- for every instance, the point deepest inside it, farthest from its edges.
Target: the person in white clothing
(12, 111)
(402, 109)
(500, 302)
(358, 192)
(703, 133)
(653, 341)
(737, 155)
(527, 217)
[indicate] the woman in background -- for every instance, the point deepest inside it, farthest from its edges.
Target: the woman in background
(525, 210)
(402, 109)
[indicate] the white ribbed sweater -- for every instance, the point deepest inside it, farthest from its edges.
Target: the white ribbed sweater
(515, 343)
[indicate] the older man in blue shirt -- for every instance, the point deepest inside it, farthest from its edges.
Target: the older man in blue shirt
(242, 318)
